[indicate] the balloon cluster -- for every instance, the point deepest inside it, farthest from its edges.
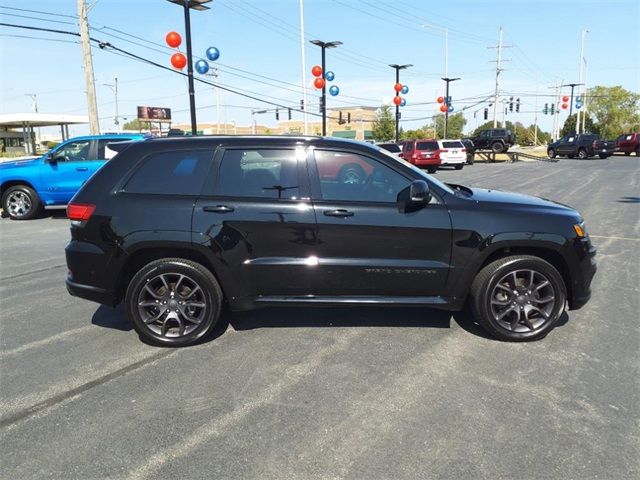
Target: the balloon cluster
(445, 104)
(398, 100)
(565, 103)
(320, 80)
(179, 61)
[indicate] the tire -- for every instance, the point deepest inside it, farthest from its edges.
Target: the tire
(582, 154)
(432, 169)
(459, 166)
(626, 154)
(497, 147)
(173, 323)
(637, 151)
(551, 152)
(21, 202)
(603, 156)
(352, 174)
(470, 159)
(500, 312)
(571, 156)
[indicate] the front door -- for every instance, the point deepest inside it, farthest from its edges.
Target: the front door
(256, 217)
(366, 245)
(71, 167)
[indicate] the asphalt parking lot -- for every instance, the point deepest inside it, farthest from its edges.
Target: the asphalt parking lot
(321, 393)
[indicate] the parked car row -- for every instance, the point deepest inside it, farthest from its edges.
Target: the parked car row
(431, 153)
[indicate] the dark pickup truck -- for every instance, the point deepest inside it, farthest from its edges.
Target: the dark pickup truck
(582, 146)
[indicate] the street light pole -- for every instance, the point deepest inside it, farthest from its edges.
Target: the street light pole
(584, 32)
(188, 5)
(397, 68)
(323, 100)
(572, 85)
(114, 87)
(446, 113)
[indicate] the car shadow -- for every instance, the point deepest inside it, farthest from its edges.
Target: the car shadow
(629, 200)
(319, 317)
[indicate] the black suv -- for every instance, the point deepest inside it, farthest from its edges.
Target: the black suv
(498, 140)
(177, 226)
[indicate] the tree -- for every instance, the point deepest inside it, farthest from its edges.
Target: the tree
(426, 131)
(384, 126)
(615, 109)
(136, 124)
(570, 125)
(454, 128)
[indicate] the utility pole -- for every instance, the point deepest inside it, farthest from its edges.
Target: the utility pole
(214, 74)
(114, 87)
(304, 71)
(499, 61)
(92, 104)
(556, 100)
(584, 32)
(584, 97)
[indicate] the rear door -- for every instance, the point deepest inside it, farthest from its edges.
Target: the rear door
(256, 218)
(365, 245)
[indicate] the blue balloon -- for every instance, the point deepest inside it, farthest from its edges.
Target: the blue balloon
(334, 90)
(213, 53)
(329, 76)
(403, 102)
(405, 89)
(202, 67)
(450, 109)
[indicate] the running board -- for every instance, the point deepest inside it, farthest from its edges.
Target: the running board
(353, 300)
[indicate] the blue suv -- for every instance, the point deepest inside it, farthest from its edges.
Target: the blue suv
(29, 185)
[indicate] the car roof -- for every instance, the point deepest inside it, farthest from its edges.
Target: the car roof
(108, 136)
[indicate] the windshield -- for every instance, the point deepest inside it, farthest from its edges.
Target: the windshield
(422, 173)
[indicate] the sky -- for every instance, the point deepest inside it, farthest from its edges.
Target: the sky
(260, 54)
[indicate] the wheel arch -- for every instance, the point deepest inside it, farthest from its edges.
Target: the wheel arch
(12, 183)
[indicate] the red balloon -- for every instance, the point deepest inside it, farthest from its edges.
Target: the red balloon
(397, 99)
(441, 100)
(397, 87)
(173, 39)
(443, 108)
(565, 106)
(317, 71)
(565, 99)
(178, 61)
(318, 82)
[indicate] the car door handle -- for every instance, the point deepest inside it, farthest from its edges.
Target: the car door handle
(218, 208)
(340, 212)
(81, 169)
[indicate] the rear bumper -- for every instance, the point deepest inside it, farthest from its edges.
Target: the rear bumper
(89, 292)
(426, 162)
(89, 276)
(453, 161)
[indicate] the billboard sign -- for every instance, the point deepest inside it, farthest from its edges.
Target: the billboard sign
(154, 114)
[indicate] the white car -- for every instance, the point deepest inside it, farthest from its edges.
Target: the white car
(452, 152)
(394, 148)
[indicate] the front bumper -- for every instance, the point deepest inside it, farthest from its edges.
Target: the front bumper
(583, 273)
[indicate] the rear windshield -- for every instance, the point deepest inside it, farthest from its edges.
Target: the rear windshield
(452, 145)
(427, 146)
(391, 147)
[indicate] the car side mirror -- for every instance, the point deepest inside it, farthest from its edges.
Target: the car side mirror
(414, 197)
(51, 158)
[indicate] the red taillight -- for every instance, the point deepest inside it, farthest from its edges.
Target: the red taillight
(80, 211)
(463, 150)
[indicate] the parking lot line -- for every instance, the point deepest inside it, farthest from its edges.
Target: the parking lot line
(615, 238)
(45, 341)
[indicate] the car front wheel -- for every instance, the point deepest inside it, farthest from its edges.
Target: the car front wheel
(173, 302)
(459, 166)
(518, 298)
(582, 154)
(21, 202)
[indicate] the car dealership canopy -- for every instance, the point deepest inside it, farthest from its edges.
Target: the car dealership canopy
(26, 122)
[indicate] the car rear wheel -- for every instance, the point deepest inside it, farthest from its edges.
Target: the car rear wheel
(432, 169)
(551, 153)
(459, 166)
(173, 302)
(21, 202)
(497, 147)
(637, 151)
(626, 154)
(518, 298)
(582, 154)
(603, 156)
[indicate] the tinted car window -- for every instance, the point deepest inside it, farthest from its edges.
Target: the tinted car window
(498, 133)
(391, 147)
(178, 172)
(427, 146)
(408, 147)
(104, 152)
(452, 145)
(348, 176)
(74, 151)
(263, 173)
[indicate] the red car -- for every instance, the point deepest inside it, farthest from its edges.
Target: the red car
(629, 143)
(422, 153)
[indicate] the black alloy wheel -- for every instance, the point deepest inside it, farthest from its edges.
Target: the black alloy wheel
(582, 154)
(21, 202)
(173, 302)
(518, 298)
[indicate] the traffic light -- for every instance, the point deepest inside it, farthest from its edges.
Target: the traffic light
(546, 109)
(302, 104)
(553, 108)
(511, 104)
(277, 114)
(340, 121)
(348, 117)
(289, 113)
(518, 104)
